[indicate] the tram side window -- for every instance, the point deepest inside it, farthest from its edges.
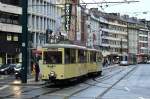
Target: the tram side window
(99, 57)
(70, 56)
(67, 56)
(81, 56)
(73, 55)
(85, 57)
(52, 57)
(92, 56)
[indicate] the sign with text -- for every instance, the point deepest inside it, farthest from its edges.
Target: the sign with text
(68, 10)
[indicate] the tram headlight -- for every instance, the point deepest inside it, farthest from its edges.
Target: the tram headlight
(52, 73)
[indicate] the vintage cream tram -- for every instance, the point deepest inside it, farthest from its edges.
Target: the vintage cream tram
(60, 62)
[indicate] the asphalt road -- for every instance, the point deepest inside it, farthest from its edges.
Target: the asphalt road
(131, 82)
(134, 86)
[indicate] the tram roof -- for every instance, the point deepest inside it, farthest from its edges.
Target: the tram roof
(68, 46)
(63, 46)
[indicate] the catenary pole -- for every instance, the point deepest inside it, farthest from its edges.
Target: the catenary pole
(24, 20)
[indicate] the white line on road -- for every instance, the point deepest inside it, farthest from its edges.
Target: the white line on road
(141, 98)
(126, 88)
(3, 87)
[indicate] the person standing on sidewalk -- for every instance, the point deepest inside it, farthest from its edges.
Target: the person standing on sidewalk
(37, 71)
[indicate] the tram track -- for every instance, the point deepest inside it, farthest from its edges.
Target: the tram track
(53, 90)
(107, 88)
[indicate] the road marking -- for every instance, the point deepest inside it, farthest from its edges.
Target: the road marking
(141, 98)
(3, 87)
(126, 88)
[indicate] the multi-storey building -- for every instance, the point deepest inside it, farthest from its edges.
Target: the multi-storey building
(142, 41)
(43, 15)
(132, 30)
(94, 31)
(148, 25)
(84, 25)
(117, 35)
(10, 30)
(104, 44)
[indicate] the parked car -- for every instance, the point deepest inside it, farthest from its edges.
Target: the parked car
(123, 63)
(7, 68)
(17, 70)
(148, 62)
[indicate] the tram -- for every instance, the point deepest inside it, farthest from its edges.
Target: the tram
(61, 62)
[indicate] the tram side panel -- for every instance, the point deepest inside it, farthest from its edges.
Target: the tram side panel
(67, 63)
(77, 68)
(94, 62)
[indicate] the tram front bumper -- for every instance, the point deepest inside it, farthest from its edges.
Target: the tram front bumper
(52, 75)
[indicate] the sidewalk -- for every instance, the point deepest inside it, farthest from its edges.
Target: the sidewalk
(30, 82)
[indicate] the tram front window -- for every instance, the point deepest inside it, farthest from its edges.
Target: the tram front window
(52, 57)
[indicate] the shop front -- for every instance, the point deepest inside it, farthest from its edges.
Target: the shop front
(9, 52)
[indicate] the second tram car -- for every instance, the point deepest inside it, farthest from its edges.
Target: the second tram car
(65, 61)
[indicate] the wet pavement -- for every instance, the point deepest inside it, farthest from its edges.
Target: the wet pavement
(134, 86)
(116, 83)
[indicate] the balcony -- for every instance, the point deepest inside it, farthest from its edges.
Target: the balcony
(10, 8)
(10, 28)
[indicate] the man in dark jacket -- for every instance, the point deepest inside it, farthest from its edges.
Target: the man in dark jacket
(37, 71)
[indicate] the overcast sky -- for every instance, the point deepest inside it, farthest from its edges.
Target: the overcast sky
(132, 9)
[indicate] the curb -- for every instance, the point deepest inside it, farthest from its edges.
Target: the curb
(30, 82)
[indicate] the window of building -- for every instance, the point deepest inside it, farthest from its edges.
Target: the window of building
(9, 37)
(9, 18)
(15, 38)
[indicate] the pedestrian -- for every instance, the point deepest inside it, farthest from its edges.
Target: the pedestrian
(37, 71)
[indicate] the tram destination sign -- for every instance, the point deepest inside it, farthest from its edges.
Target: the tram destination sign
(68, 10)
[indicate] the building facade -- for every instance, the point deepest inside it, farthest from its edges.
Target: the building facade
(43, 15)
(142, 42)
(10, 31)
